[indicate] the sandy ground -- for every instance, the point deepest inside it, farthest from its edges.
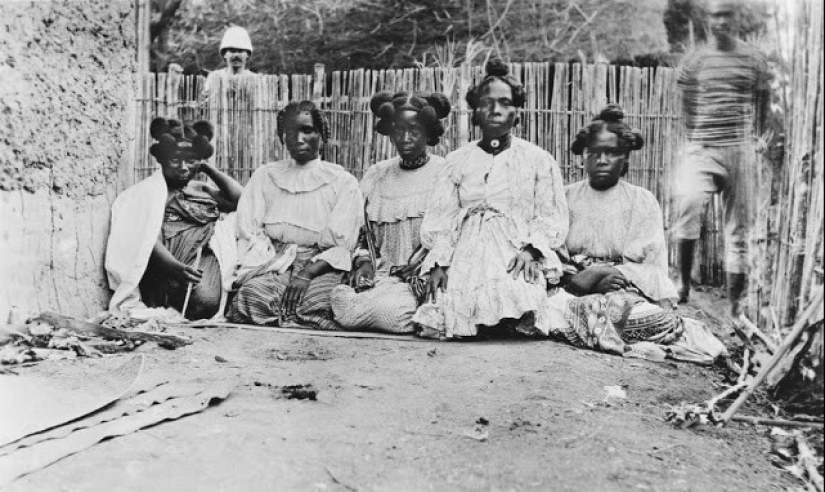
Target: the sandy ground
(403, 416)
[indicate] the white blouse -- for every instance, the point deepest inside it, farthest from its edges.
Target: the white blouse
(522, 183)
(396, 200)
(623, 223)
(317, 205)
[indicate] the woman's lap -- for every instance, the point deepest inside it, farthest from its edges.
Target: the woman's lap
(258, 301)
(387, 307)
(158, 290)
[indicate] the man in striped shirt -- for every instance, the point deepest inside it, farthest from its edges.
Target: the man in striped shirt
(725, 97)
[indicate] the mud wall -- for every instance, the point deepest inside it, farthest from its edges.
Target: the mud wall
(67, 71)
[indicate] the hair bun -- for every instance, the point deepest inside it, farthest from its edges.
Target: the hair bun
(204, 128)
(378, 100)
(638, 140)
(386, 111)
(158, 127)
(611, 113)
(496, 68)
(440, 104)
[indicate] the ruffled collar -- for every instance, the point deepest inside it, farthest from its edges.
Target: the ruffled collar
(302, 178)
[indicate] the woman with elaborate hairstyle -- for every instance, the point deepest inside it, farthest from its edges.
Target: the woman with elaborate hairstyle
(166, 243)
(298, 222)
(494, 224)
(617, 236)
(396, 192)
(618, 259)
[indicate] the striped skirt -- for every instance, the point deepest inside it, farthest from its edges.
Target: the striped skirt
(258, 301)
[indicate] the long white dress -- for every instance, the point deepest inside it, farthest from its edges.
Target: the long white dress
(484, 211)
(621, 226)
(396, 200)
(290, 215)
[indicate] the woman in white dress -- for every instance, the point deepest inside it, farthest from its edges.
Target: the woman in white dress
(298, 222)
(619, 296)
(494, 224)
(383, 292)
(617, 236)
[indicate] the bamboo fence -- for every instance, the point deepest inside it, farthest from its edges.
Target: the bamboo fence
(561, 99)
(789, 265)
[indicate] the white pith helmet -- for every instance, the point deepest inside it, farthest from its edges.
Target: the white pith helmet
(236, 37)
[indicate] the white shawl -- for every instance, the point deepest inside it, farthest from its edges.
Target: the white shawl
(137, 218)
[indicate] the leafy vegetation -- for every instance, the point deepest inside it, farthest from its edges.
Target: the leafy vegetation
(290, 36)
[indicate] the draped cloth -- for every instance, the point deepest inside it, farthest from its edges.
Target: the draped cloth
(396, 201)
(624, 323)
(290, 215)
(622, 227)
(138, 220)
(484, 211)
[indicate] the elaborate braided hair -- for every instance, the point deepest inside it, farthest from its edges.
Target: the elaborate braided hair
(496, 70)
(186, 140)
(293, 109)
(611, 118)
(431, 109)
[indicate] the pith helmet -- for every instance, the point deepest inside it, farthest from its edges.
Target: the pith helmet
(236, 37)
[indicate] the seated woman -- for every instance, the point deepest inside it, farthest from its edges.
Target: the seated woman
(616, 235)
(494, 223)
(617, 247)
(298, 222)
(166, 234)
(396, 192)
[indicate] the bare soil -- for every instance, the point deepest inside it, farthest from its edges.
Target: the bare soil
(388, 415)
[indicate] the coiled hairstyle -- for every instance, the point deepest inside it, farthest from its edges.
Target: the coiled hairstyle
(496, 69)
(293, 109)
(431, 109)
(181, 139)
(611, 118)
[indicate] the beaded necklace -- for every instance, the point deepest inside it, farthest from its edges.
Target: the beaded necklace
(411, 164)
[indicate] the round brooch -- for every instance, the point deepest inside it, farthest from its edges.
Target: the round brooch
(494, 143)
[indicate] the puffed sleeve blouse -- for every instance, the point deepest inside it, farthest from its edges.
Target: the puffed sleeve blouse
(317, 205)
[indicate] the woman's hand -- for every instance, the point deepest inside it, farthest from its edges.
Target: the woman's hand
(188, 274)
(612, 283)
(294, 295)
(363, 276)
(526, 262)
(437, 282)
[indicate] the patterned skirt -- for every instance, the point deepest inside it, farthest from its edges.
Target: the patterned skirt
(258, 300)
(387, 307)
(183, 240)
(612, 321)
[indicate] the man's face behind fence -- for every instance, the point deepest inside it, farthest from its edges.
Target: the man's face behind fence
(235, 58)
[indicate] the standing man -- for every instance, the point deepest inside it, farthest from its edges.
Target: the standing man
(725, 96)
(228, 98)
(235, 50)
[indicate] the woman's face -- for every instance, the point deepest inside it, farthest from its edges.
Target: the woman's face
(496, 113)
(302, 138)
(179, 170)
(408, 135)
(604, 160)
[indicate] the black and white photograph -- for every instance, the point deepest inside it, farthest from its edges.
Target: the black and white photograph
(412, 245)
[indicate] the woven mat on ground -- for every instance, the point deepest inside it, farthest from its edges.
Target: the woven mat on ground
(30, 404)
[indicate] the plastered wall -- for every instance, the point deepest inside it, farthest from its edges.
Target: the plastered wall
(67, 71)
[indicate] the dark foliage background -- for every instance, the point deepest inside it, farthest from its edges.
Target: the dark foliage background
(290, 36)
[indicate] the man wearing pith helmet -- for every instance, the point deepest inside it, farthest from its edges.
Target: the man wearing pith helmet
(229, 95)
(235, 50)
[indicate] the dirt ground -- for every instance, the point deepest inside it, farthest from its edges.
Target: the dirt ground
(405, 416)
